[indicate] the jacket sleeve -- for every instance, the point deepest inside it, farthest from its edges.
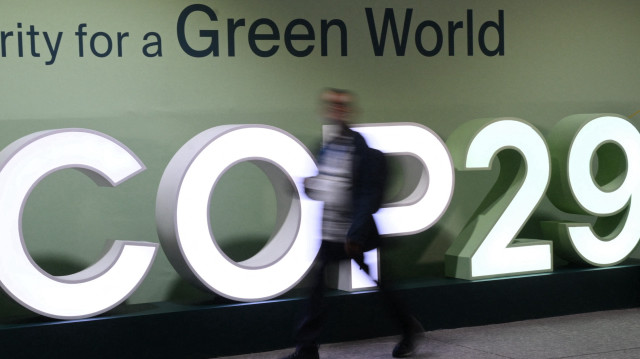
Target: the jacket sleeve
(368, 180)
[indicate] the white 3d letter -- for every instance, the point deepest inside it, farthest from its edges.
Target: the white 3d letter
(182, 211)
(426, 193)
(103, 285)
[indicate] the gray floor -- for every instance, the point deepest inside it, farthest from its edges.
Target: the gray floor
(599, 335)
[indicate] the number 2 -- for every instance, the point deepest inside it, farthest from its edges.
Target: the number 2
(486, 246)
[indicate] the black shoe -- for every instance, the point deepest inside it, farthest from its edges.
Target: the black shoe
(407, 345)
(404, 348)
(304, 353)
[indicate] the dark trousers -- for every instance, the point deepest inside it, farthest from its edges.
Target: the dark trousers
(310, 326)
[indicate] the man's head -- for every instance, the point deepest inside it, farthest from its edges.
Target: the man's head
(337, 106)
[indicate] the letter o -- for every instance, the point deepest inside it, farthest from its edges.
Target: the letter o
(93, 44)
(182, 212)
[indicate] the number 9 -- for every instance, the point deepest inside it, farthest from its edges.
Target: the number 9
(581, 145)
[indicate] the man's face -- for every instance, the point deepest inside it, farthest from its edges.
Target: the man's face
(337, 107)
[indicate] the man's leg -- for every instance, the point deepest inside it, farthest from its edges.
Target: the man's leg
(310, 327)
(409, 326)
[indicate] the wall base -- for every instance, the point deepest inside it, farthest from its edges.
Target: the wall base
(167, 330)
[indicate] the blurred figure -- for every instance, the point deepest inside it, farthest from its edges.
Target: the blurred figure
(350, 182)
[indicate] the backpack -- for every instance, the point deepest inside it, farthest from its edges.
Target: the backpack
(377, 169)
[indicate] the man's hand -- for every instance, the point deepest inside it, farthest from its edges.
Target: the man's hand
(352, 249)
(355, 251)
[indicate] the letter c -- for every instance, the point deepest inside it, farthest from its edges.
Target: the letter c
(106, 283)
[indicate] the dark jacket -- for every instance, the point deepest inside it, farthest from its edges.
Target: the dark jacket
(369, 176)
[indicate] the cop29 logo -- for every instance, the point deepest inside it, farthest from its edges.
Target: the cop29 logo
(588, 164)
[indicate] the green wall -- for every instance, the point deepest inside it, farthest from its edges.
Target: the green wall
(560, 58)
